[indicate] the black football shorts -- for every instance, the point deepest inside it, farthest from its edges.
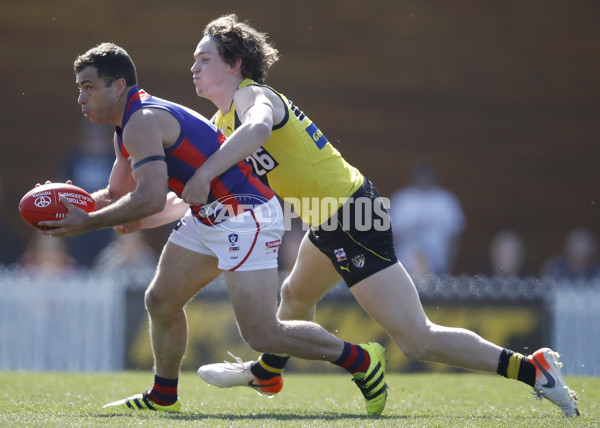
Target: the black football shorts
(357, 239)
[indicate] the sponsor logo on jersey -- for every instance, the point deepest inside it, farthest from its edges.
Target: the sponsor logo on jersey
(317, 136)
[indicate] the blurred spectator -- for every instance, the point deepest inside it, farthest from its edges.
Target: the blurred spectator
(89, 166)
(427, 221)
(507, 256)
(47, 255)
(579, 260)
(11, 245)
(129, 252)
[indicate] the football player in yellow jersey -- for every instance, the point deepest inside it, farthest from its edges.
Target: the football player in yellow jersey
(231, 62)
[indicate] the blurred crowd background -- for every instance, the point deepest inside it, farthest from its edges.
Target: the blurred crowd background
(479, 120)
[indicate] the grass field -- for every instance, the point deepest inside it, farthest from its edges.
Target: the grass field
(421, 400)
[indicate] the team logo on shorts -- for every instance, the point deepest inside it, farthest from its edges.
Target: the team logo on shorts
(340, 254)
(233, 239)
(358, 261)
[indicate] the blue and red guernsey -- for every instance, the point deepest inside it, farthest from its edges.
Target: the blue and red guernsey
(197, 141)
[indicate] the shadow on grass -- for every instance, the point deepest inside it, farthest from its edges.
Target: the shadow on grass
(324, 416)
(490, 420)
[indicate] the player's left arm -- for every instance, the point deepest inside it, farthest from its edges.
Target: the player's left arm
(255, 110)
(143, 138)
(120, 181)
(174, 209)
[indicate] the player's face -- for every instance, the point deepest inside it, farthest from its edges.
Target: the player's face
(96, 99)
(209, 69)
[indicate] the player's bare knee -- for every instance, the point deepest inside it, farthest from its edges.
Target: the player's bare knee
(156, 302)
(417, 344)
(292, 301)
(415, 351)
(151, 301)
(260, 345)
(261, 341)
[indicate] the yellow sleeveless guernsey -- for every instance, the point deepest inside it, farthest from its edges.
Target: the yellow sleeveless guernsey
(299, 164)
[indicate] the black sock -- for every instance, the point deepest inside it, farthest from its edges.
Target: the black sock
(164, 391)
(513, 365)
(269, 366)
(354, 359)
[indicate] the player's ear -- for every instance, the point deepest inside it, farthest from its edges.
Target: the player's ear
(236, 66)
(121, 86)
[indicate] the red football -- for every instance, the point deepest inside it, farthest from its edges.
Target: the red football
(43, 202)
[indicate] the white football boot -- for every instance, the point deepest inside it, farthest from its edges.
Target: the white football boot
(549, 382)
(229, 375)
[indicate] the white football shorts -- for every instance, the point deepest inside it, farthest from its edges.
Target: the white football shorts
(246, 242)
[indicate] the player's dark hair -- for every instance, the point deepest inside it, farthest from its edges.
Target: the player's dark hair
(111, 61)
(239, 40)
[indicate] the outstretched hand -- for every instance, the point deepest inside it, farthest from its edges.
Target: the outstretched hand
(75, 223)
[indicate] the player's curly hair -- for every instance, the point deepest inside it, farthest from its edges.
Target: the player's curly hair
(112, 62)
(237, 39)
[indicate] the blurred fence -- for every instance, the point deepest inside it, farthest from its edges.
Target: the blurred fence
(91, 322)
(53, 322)
(576, 329)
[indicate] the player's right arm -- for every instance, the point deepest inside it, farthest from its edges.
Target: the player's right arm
(143, 137)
